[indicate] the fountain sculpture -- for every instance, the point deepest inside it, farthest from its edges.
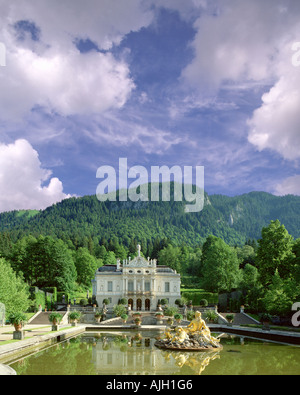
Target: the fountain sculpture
(195, 337)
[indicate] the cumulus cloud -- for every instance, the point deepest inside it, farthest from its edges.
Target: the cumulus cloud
(234, 42)
(243, 45)
(22, 179)
(105, 22)
(44, 66)
(290, 186)
(276, 123)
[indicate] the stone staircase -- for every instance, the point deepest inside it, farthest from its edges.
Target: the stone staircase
(42, 318)
(240, 319)
(147, 319)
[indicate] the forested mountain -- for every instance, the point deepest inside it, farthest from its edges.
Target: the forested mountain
(234, 219)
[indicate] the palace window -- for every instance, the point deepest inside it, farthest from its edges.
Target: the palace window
(167, 287)
(147, 286)
(110, 286)
(130, 286)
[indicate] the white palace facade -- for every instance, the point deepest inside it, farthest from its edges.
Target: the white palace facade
(142, 282)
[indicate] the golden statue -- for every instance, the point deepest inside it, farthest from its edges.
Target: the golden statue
(199, 327)
(196, 336)
(167, 334)
(180, 335)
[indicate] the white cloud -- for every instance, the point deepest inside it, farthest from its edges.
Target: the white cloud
(103, 21)
(146, 138)
(68, 84)
(234, 42)
(290, 186)
(22, 179)
(244, 44)
(51, 72)
(276, 123)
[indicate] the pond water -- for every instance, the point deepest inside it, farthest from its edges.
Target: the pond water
(132, 353)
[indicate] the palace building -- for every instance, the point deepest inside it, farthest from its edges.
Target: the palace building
(142, 282)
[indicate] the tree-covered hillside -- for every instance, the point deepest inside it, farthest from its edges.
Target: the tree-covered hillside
(234, 219)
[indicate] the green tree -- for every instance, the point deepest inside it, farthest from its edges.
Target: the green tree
(296, 261)
(170, 256)
(279, 297)
(220, 267)
(5, 245)
(250, 277)
(86, 266)
(195, 263)
(45, 262)
(18, 257)
(110, 258)
(274, 252)
(246, 254)
(14, 291)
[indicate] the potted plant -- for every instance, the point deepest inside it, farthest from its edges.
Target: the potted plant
(18, 320)
(137, 321)
(178, 318)
(119, 310)
(171, 311)
(136, 314)
(98, 315)
(265, 319)
(74, 317)
(124, 318)
(55, 318)
(159, 317)
(211, 316)
(229, 318)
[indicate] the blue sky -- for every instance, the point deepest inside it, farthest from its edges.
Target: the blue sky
(173, 82)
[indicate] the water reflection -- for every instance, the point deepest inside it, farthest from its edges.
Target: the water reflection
(137, 355)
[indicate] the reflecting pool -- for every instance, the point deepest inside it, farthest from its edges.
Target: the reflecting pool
(132, 353)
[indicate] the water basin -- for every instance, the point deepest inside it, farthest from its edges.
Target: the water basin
(133, 353)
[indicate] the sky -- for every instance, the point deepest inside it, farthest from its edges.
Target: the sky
(213, 83)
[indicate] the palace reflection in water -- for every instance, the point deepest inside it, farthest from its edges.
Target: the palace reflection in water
(128, 353)
(135, 354)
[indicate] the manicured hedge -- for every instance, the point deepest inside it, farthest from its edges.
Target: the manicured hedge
(197, 294)
(45, 298)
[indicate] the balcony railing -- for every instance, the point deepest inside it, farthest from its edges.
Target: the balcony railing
(139, 293)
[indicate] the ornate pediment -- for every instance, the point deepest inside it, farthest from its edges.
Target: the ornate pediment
(139, 261)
